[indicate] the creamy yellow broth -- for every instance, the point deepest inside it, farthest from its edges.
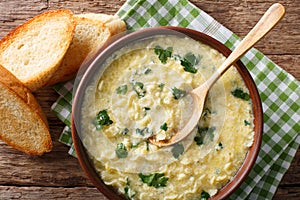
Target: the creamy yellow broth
(144, 92)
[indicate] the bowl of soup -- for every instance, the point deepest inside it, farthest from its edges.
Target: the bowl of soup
(137, 87)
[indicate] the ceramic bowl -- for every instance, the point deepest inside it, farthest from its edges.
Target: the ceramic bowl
(125, 39)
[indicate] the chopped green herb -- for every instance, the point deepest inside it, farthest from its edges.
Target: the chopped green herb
(102, 119)
(134, 145)
(204, 132)
(191, 58)
(127, 181)
(177, 150)
(189, 62)
(147, 146)
(204, 195)
(161, 86)
(121, 151)
(188, 67)
(206, 112)
(147, 71)
(139, 132)
(178, 93)
(143, 131)
(164, 127)
(125, 131)
(122, 89)
(163, 54)
(246, 123)
(128, 192)
(219, 146)
(239, 93)
(156, 180)
(146, 108)
(138, 87)
(198, 140)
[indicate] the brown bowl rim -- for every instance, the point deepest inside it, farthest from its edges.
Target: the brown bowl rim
(244, 170)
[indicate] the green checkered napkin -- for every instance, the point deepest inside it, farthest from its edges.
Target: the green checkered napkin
(279, 92)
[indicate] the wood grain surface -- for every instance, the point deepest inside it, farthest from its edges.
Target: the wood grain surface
(57, 175)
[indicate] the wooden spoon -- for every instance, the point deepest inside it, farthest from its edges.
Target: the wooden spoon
(272, 16)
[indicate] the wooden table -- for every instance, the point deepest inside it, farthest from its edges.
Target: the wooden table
(58, 175)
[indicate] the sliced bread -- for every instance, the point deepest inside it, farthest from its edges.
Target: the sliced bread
(34, 50)
(92, 31)
(23, 125)
(112, 22)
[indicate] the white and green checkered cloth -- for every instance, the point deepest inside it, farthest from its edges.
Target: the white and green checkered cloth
(279, 92)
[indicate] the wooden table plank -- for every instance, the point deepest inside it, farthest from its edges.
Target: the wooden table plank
(58, 175)
(11, 192)
(241, 16)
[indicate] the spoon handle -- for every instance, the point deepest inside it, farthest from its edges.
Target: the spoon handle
(272, 16)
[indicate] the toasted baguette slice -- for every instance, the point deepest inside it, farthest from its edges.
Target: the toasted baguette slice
(23, 124)
(92, 31)
(112, 22)
(34, 50)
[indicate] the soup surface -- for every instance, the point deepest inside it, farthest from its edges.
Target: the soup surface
(143, 91)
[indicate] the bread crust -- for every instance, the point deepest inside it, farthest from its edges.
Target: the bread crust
(80, 48)
(39, 79)
(8, 79)
(32, 115)
(84, 47)
(113, 22)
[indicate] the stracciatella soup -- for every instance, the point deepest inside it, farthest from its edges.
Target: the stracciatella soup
(143, 92)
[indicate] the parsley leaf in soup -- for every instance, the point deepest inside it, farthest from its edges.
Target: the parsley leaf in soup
(206, 112)
(246, 123)
(145, 109)
(147, 146)
(140, 131)
(129, 193)
(147, 71)
(121, 151)
(177, 150)
(161, 86)
(189, 62)
(178, 93)
(121, 89)
(164, 127)
(198, 140)
(191, 58)
(202, 133)
(163, 54)
(239, 93)
(204, 195)
(102, 119)
(138, 87)
(125, 131)
(156, 180)
(219, 146)
(144, 131)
